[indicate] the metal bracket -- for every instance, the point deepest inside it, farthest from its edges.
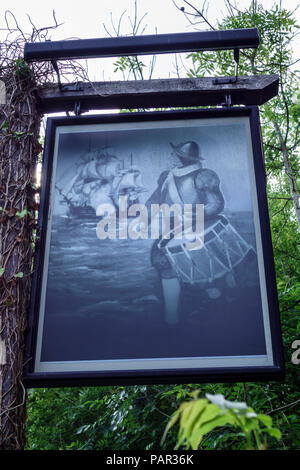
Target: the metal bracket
(236, 56)
(67, 87)
(77, 108)
(224, 80)
(228, 80)
(55, 66)
(76, 87)
(227, 103)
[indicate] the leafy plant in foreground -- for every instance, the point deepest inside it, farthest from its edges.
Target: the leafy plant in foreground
(200, 416)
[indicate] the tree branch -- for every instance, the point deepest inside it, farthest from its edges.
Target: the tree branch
(197, 13)
(289, 405)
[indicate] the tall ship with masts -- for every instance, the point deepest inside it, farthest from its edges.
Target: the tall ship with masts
(101, 179)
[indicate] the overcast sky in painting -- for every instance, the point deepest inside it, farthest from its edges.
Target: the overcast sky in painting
(86, 20)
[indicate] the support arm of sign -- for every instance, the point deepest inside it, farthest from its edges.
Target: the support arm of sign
(151, 94)
(141, 45)
(254, 90)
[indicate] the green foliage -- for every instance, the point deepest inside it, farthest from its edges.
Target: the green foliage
(130, 65)
(18, 135)
(23, 213)
(127, 418)
(97, 418)
(22, 69)
(4, 126)
(19, 275)
(199, 417)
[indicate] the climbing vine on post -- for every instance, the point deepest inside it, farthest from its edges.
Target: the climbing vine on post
(19, 147)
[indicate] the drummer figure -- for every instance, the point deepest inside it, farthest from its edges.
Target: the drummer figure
(185, 184)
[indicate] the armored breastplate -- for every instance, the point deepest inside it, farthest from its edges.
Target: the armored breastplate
(187, 189)
(179, 186)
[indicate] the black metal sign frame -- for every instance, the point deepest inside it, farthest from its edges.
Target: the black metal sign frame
(100, 312)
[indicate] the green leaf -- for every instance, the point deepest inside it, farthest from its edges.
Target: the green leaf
(18, 135)
(207, 427)
(274, 432)
(2, 271)
(266, 420)
(22, 214)
(19, 274)
(83, 428)
(210, 412)
(169, 425)
(250, 425)
(192, 414)
(4, 126)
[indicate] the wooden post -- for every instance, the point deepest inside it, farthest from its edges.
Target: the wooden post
(19, 122)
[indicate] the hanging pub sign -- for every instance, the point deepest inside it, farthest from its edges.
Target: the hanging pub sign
(155, 262)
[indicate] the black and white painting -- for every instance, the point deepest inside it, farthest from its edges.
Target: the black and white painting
(153, 253)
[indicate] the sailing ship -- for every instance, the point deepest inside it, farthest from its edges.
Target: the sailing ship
(101, 180)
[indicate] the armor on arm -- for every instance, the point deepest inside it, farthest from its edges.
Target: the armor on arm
(207, 183)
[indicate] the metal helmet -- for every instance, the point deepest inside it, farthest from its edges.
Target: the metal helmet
(189, 150)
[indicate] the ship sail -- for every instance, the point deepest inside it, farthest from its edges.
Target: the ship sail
(98, 181)
(130, 185)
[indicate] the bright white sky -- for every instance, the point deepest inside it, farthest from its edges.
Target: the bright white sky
(85, 20)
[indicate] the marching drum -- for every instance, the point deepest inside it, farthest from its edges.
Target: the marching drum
(223, 249)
